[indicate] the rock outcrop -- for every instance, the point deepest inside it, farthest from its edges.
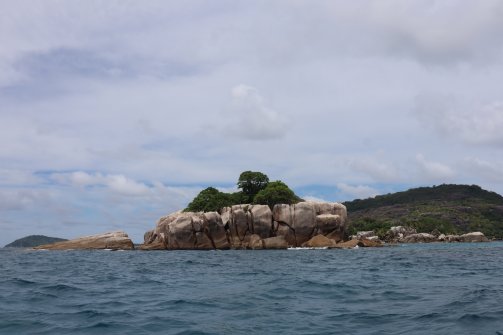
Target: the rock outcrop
(117, 240)
(319, 241)
(249, 226)
(419, 238)
(473, 237)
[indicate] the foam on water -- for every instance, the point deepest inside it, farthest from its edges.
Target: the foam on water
(411, 289)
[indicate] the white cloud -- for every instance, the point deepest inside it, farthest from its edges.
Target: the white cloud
(468, 121)
(377, 170)
(116, 183)
(358, 191)
(433, 171)
(22, 199)
(251, 118)
(483, 169)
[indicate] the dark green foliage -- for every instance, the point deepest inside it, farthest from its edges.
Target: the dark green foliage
(276, 192)
(33, 241)
(442, 192)
(251, 183)
(256, 188)
(209, 200)
(450, 209)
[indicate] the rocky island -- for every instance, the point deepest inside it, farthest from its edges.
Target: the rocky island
(117, 240)
(249, 226)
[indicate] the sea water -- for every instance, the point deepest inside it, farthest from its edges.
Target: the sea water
(407, 289)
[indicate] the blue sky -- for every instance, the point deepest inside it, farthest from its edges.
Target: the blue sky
(115, 113)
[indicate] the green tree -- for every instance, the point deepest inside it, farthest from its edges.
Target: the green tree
(251, 183)
(210, 200)
(276, 192)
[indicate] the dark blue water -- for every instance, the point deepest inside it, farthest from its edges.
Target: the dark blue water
(413, 289)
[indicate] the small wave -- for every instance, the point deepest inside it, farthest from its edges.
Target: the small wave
(22, 281)
(469, 317)
(61, 287)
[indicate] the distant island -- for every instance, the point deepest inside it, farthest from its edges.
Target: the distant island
(447, 209)
(33, 241)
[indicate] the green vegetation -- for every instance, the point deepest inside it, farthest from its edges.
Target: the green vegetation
(274, 193)
(450, 209)
(255, 189)
(251, 183)
(209, 200)
(33, 241)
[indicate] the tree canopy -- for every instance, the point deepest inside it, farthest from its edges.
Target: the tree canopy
(209, 200)
(255, 189)
(276, 192)
(251, 183)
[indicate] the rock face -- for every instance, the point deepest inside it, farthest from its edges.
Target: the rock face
(419, 238)
(248, 226)
(319, 241)
(473, 237)
(117, 240)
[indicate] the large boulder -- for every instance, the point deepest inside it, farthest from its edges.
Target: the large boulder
(216, 230)
(255, 242)
(319, 241)
(304, 221)
(117, 240)
(261, 220)
(473, 237)
(328, 223)
(300, 222)
(349, 244)
(277, 242)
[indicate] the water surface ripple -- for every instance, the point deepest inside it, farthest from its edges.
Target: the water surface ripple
(408, 289)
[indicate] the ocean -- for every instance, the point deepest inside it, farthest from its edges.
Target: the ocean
(407, 289)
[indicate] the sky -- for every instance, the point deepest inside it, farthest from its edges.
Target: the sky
(114, 113)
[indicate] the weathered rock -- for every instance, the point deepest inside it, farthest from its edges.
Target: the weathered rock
(255, 242)
(365, 234)
(441, 238)
(153, 246)
(327, 223)
(349, 244)
(336, 235)
(304, 221)
(319, 241)
(419, 238)
(234, 227)
(240, 220)
(473, 237)
(371, 243)
(216, 230)
(398, 233)
(181, 234)
(277, 242)
(452, 238)
(117, 240)
(374, 238)
(261, 216)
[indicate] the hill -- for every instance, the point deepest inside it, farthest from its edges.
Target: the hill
(33, 241)
(450, 209)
